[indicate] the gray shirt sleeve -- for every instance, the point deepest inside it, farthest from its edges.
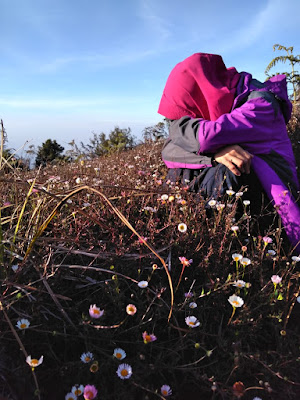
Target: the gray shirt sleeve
(184, 133)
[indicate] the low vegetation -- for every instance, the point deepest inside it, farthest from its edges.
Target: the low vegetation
(118, 281)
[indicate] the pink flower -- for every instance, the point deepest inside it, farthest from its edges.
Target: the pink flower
(95, 312)
(184, 261)
(267, 240)
(276, 279)
(188, 295)
(131, 309)
(148, 337)
(90, 392)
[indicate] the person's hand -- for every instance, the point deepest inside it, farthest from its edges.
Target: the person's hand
(235, 158)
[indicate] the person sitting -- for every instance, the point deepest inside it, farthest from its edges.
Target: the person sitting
(227, 130)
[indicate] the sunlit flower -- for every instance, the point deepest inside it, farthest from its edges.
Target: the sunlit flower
(119, 354)
(143, 284)
(171, 198)
(70, 396)
(220, 206)
(193, 305)
(184, 261)
(246, 202)
(296, 258)
(77, 390)
(236, 301)
(23, 324)
(239, 283)
(212, 203)
(90, 392)
(230, 192)
(131, 309)
(165, 390)
(276, 279)
(78, 181)
(87, 357)
(267, 240)
(33, 362)
(192, 321)
(124, 371)
(148, 338)
(239, 194)
(164, 197)
(95, 312)
(182, 227)
(245, 261)
(236, 257)
(234, 228)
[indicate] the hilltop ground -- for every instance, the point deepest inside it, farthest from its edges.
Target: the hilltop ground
(88, 233)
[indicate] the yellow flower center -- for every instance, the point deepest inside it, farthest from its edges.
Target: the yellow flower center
(118, 355)
(148, 338)
(87, 359)
(236, 303)
(89, 394)
(23, 326)
(77, 392)
(164, 392)
(131, 309)
(95, 311)
(124, 372)
(34, 362)
(192, 323)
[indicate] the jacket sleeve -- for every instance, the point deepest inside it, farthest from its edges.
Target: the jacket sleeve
(181, 149)
(256, 126)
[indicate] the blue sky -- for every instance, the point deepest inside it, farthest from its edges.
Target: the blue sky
(70, 68)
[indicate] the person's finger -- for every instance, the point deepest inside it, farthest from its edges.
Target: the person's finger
(232, 166)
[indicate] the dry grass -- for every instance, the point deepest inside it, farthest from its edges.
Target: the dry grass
(91, 242)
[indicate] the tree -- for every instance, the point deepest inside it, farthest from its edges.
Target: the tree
(292, 77)
(118, 140)
(49, 151)
(155, 133)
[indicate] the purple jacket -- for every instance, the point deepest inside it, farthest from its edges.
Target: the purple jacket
(257, 123)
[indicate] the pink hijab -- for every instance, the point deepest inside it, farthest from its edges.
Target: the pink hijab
(201, 87)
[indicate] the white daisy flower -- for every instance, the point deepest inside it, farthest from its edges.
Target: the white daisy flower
(245, 261)
(230, 192)
(236, 257)
(34, 362)
(246, 202)
(165, 390)
(192, 321)
(143, 284)
(236, 301)
(296, 258)
(239, 283)
(124, 371)
(23, 324)
(182, 227)
(87, 357)
(119, 354)
(77, 390)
